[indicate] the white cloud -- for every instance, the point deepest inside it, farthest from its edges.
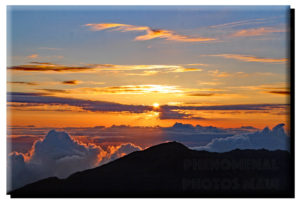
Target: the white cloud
(58, 155)
(266, 139)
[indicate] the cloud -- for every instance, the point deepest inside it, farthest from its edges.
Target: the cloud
(148, 69)
(150, 33)
(256, 31)
(241, 23)
(71, 82)
(196, 64)
(184, 112)
(217, 73)
(58, 154)
(208, 83)
(279, 92)
(250, 107)
(250, 58)
(110, 138)
(45, 67)
(33, 56)
(88, 105)
(103, 106)
(188, 70)
(144, 73)
(114, 67)
(277, 88)
(137, 89)
(23, 83)
(41, 63)
(54, 90)
(173, 114)
(126, 89)
(116, 152)
(63, 155)
(266, 139)
(201, 94)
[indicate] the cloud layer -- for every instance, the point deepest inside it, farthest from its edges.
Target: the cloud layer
(59, 154)
(148, 69)
(166, 111)
(88, 105)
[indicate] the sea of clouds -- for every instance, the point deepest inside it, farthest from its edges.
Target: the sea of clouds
(59, 154)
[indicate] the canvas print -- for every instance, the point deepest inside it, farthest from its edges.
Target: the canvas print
(150, 101)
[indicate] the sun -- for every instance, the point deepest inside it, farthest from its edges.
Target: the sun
(156, 105)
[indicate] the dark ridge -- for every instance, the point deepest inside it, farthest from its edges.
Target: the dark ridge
(172, 170)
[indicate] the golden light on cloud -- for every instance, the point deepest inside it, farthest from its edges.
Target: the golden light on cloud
(33, 56)
(217, 73)
(144, 73)
(126, 89)
(256, 31)
(132, 67)
(188, 70)
(147, 70)
(150, 33)
(250, 58)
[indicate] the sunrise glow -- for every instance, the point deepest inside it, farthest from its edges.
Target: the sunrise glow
(156, 105)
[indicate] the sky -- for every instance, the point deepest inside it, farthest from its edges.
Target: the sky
(148, 56)
(120, 79)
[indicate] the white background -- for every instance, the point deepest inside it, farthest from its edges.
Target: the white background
(3, 5)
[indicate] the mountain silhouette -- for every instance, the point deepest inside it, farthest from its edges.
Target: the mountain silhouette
(173, 170)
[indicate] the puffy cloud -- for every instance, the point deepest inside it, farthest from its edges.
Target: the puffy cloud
(266, 139)
(17, 171)
(119, 151)
(150, 33)
(198, 128)
(62, 155)
(58, 154)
